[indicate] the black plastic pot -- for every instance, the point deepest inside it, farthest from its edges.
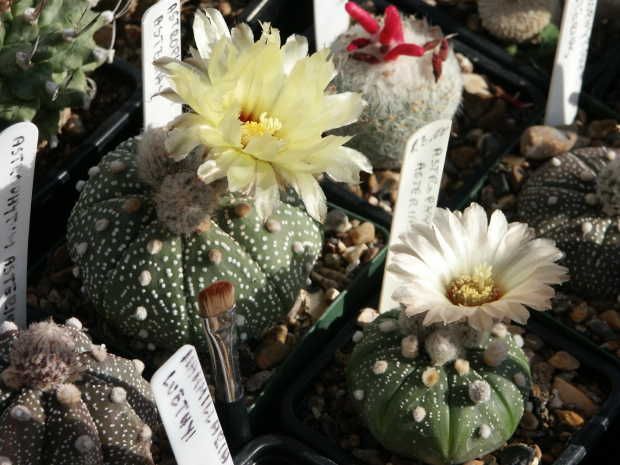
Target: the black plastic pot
(591, 364)
(278, 450)
(54, 195)
(607, 87)
(289, 16)
(510, 82)
(493, 47)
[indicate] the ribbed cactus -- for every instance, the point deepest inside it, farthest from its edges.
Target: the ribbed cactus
(46, 49)
(440, 394)
(407, 74)
(147, 235)
(574, 199)
(65, 401)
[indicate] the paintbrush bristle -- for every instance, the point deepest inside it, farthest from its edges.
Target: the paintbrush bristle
(216, 298)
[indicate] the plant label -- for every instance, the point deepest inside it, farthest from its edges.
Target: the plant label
(570, 61)
(330, 20)
(187, 411)
(18, 145)
(161, 37)
(420, 178)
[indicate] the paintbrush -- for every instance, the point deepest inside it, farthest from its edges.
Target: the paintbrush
(216, 304)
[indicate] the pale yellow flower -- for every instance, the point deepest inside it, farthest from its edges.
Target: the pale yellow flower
(464, 269)
(260, 109)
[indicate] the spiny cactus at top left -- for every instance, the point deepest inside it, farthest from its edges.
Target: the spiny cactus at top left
(46, 50)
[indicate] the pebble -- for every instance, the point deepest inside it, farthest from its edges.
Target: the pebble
(563, 361)
(496, 112)
(612, 318)
(601, 329)
(569, 394)
(462, 157)
(528, 422)
(336, 222)
(258, 380)
(542, 142)
(518, 454)
(569, 418)
(367, 316)
(363, 234)
(579, 315)
(273, 348)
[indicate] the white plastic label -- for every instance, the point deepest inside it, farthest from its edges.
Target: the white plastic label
(18, 146)
(418, 190)
(330, 20)
(161, 37)
(570, 61)
(187, 411)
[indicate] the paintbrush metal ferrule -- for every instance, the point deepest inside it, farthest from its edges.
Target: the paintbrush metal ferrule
(221, 335)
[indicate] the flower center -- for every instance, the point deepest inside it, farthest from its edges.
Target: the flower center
(250, 129)
(475, 289)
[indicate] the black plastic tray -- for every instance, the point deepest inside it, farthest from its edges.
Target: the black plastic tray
(611, 75)
(277, 450)
(575, 451)
(54, 195)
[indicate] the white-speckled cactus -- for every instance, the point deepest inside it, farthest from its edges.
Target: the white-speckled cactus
(46, 49)
(441, 394)
(65, 401)
(574, 199)
(404, 84)
(147, 235)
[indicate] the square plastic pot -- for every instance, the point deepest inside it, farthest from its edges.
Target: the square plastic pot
(591, 364)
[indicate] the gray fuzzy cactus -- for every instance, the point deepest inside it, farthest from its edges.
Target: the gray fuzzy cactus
(65, 401)
(403, 92)
(147, 235)
(46, 50)
(440, 394)
(574, 199)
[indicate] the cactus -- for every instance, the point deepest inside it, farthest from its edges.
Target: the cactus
(403, 92)
(65, 401)
(441, 394)
(46, 50)
(574, 199)
(147, 235)
(517, 21)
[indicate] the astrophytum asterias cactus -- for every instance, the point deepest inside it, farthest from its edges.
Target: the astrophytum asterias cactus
(66, 401)
(440, 394)
(406, 72)
(574, 199)
(147, 235)
(46, 50)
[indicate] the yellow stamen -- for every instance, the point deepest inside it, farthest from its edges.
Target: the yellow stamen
(475, 289)
(251, 129)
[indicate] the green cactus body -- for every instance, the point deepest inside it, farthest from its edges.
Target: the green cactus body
(38, 53)
(440, 413)
(65, 401)
(146, 278)
(574, 199)
(402, 95)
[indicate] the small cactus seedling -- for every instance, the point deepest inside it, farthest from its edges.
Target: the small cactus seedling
(65, 401)
(46, 50)
(517, 21)
(574, 199)
(440, 394)
(406, 72)
(147, 235)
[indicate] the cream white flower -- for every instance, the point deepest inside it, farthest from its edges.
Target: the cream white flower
(260, 109)
(463, 269)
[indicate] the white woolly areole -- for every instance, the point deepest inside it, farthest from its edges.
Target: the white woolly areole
(479, 391)
(145, 432)
(21, 413)
(139, 365)
(461, 366)
(442, 347)
(102, 224)
(358, 394)
(143, 333)
(145, 278)
(100, 353)
(419, 413)
(76, 271)
(518, 339)
(84, 444)
(357, 336)
(93, 171)
(379, 367)
(74, 322)
(298, 247)
(240, 320)
(485, 431)
(499, 330)
(154, 246)
(496, 352)
(4, 460)
(140, 313)
(68, 394)
(409, 346)
(79, 186)
(430, 377)
(81, 248)
(7, 326)
(387, 326)
(519, 379)
(118, 395)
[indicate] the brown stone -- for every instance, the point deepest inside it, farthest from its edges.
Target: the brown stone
(612, 318)
(602, 128)
(579, 315)
(569, 418)
(61, 256)
(516, 178)
(273, 348)
(542, 142)
(569, 394)
(363, 234)
(62, 276)
(563, 361)
(529, 422)
(462, 157)
(494, 116)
